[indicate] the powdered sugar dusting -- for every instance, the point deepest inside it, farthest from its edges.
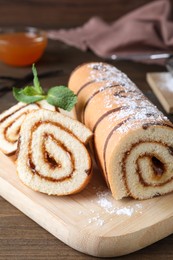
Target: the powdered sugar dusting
(96, 219)
(105, 72)
(139, 108)
(113, 207)
(104, 208)
(166, 81)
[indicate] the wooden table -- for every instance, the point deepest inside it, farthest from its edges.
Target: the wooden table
(20, 237)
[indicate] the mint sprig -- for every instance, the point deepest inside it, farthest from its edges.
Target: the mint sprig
(62, 96)
(59, 96)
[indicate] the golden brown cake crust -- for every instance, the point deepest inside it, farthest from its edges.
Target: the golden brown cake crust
(131, 135)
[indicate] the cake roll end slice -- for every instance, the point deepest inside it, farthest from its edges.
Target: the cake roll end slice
(141, 163)
(10, 123)
(52, 156)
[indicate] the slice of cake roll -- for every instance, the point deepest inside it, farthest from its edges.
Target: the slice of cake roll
(133, 141)
(52, 157)
(10, 123)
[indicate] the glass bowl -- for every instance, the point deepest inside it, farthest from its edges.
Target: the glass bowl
(22, 46)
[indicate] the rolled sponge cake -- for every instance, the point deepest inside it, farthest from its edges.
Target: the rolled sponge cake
(11, 121)
(133, 140)
(51, 156)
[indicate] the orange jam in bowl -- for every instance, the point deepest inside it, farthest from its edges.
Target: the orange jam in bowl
(21, 47)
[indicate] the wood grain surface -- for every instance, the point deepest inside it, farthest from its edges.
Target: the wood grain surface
(162, 86)
(20, 237)
(62, 13)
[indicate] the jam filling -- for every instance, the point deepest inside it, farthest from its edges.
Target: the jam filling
(157, 166)
(51, 161)
(170, 149)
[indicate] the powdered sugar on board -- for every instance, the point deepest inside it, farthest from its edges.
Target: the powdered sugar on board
(104, 208)
(100, 209)
(162, 86)
(165, 81)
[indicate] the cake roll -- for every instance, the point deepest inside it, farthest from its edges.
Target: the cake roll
(52, 157)
(10, 123)
(133, 140)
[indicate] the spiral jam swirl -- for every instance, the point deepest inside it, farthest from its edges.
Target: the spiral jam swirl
(52, 157)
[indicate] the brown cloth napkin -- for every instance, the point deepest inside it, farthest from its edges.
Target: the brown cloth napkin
(148, 29)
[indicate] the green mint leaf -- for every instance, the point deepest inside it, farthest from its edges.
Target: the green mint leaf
(59, 96)
(62, 97)
(36, 82)
(22, 96)
(29, 91)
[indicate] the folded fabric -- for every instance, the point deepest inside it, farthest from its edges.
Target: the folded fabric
(148, 29)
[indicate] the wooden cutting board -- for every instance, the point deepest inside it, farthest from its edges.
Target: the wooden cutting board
(162, 86)
(91, 221)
